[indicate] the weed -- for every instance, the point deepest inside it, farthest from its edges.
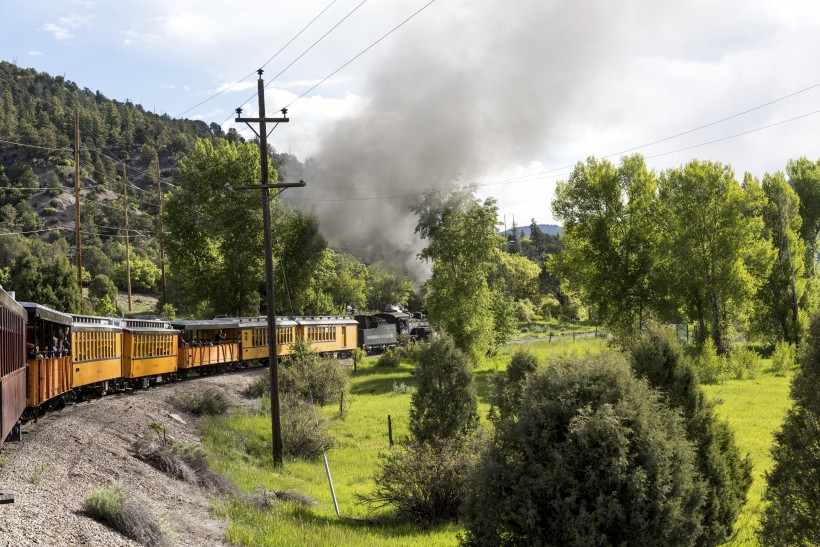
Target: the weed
(783, 356)
(403, 389)
(40, 469)
(744, 363)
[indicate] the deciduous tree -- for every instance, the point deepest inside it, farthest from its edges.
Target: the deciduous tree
(712, 245)
(610, 238)
(462, 245)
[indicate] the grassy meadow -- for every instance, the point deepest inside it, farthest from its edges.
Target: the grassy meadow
(240, 448)
(755, 409)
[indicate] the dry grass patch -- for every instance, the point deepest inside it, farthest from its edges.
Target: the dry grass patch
(130, 514)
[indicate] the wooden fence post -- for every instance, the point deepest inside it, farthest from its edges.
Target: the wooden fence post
(390, 430)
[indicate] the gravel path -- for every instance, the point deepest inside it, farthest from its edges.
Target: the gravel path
(85, 446)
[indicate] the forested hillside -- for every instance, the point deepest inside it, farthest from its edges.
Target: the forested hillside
(37, 174)
(124, 148)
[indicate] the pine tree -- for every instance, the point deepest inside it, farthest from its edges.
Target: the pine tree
(793, 496)
(657, 357)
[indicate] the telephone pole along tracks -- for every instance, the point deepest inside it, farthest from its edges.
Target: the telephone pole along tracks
(265, 186)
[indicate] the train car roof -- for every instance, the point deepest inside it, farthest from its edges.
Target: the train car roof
(146, 326)
(262, 322)
(326, 320)
(92, 322)
(8, 301)
(38, 311)
(205, 324)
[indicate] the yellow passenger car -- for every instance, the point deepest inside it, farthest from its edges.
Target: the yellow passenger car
(208, 344)
(254, 337)
(48, 352)
(334, 335)
(96, 348)
(149, 351)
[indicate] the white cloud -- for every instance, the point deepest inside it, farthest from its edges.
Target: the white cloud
(62, 29)
(35, 53)
(236, 86)
(59, 33)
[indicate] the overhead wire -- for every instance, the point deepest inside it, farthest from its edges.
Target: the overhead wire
(343, 19)
(362, 52)
(265, 63)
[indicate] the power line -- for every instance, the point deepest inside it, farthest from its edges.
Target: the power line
(342, 20)
(264, 65)
(362, 52)
(37, 147)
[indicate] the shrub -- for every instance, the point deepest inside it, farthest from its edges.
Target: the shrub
(592, 458)
(390, 358)
(303, 434)
(791, 516)
(105, 307)
(711, 367)
(550, 308)
(506, 387)
(744, 363)
(524, 310)
(310, 377)
(411, 351)
(131, 515)
(101, 286)
(444, 404)
(260, 387)
(321, 381)
(358, 356)
(424, 481)
(168, 312)
(656, 356)
(207, 403)
(783, 357)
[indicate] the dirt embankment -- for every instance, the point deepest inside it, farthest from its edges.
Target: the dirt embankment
(85, 446)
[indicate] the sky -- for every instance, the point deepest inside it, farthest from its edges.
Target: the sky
(505, 95)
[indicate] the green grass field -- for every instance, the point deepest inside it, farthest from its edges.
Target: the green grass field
(755, 409)
(240, 445)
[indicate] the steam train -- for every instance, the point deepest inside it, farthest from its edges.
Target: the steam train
(49, 358)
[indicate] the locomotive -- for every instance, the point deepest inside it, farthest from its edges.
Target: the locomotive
(49, 358)
(390, 328)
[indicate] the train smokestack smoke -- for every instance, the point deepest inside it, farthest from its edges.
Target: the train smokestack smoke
(449, 100)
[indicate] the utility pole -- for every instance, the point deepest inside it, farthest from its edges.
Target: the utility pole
(127, 243)
(77, 199)
(161, 248)
(271, 299)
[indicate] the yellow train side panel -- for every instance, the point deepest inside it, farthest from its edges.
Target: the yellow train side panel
(200, 356)
(148, 366)
(99, 370)
(345, 340)
(257, 352)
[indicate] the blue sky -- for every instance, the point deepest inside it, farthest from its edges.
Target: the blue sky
(467, 91)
